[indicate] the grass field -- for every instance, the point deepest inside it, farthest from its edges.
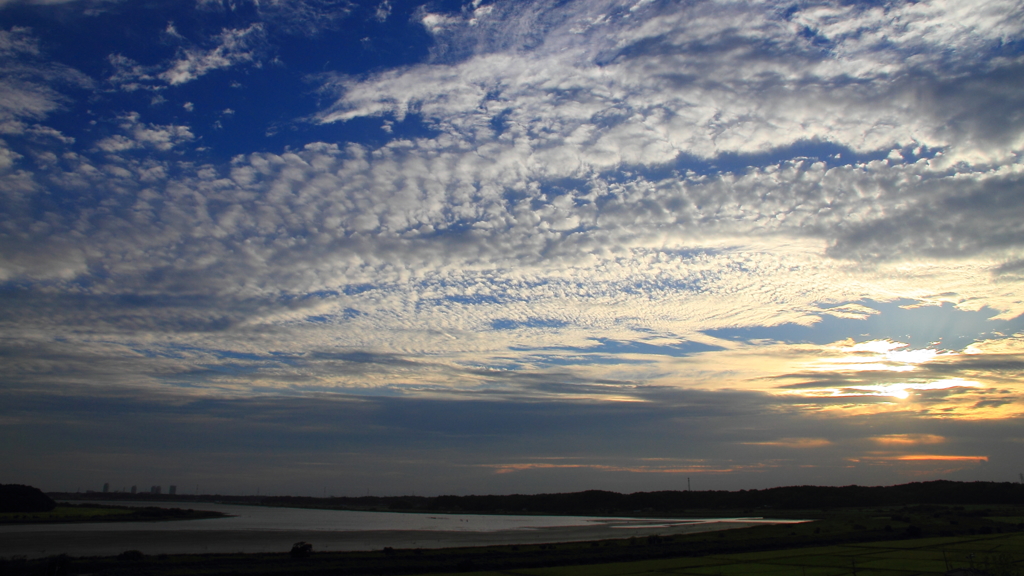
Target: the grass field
(999, 555)
(72, 514)
(63, 514)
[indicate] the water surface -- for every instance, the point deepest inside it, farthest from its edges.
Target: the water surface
(270, 529)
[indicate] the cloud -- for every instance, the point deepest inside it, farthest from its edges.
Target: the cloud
(139, 135)
(230, 48)
(408, 250)
(28, 83)
(576, 192)
(130, 76)
(954, 223)
(614, 87)
(930, 457)
(596, 240)
(383, 11)
(851, 311)
(541, 94)
(18, 41)
(485, 445)
(908, 439)
(305, 17)
(678, 468)
(233, 47)
(794, 443)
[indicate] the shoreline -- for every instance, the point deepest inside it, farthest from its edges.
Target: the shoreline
(88, 513)
(44, 543)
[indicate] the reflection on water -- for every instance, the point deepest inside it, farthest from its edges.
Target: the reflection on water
(264, 518)
(270, 529)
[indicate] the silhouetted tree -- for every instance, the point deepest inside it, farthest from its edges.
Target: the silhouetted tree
(21, 498)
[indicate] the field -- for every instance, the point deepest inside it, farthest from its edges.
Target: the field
(63, 514)
(999, 555)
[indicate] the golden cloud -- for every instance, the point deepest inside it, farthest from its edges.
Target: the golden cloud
(929, 458)
(908, 439)
(794, 443)
(693, 469)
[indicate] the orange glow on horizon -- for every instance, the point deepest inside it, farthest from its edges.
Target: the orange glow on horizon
(928, 458)
(900, 390)
(793, 443)
(508, 468)
(908, 439)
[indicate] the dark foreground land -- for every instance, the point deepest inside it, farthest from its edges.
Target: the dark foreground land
(20, 504)
(81, 513)
(936, 536)
(920, 528)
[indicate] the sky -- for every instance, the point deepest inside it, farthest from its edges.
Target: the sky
(333, 247)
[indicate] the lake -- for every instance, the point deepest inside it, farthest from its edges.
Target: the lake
(272, 529)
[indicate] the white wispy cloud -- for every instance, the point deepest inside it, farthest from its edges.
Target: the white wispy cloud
(130, 76)
(136, 134)
(232, 47)
(28, 82)
(277, 227)
(608, 86)
(306, 17)
(383, 11)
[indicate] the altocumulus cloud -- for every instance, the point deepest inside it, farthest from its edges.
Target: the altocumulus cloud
(567, 205)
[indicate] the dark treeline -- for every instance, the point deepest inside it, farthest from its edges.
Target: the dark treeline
(21, 498)
(664, 502)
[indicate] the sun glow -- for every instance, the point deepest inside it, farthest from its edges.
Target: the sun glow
(875, 356)
(901, 390)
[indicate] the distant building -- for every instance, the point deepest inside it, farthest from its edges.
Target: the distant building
(172, 490)
(155, 490)
(106, 487)
(133, 489)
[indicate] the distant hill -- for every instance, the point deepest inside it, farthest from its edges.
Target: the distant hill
(599, 502)
(21, 498)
